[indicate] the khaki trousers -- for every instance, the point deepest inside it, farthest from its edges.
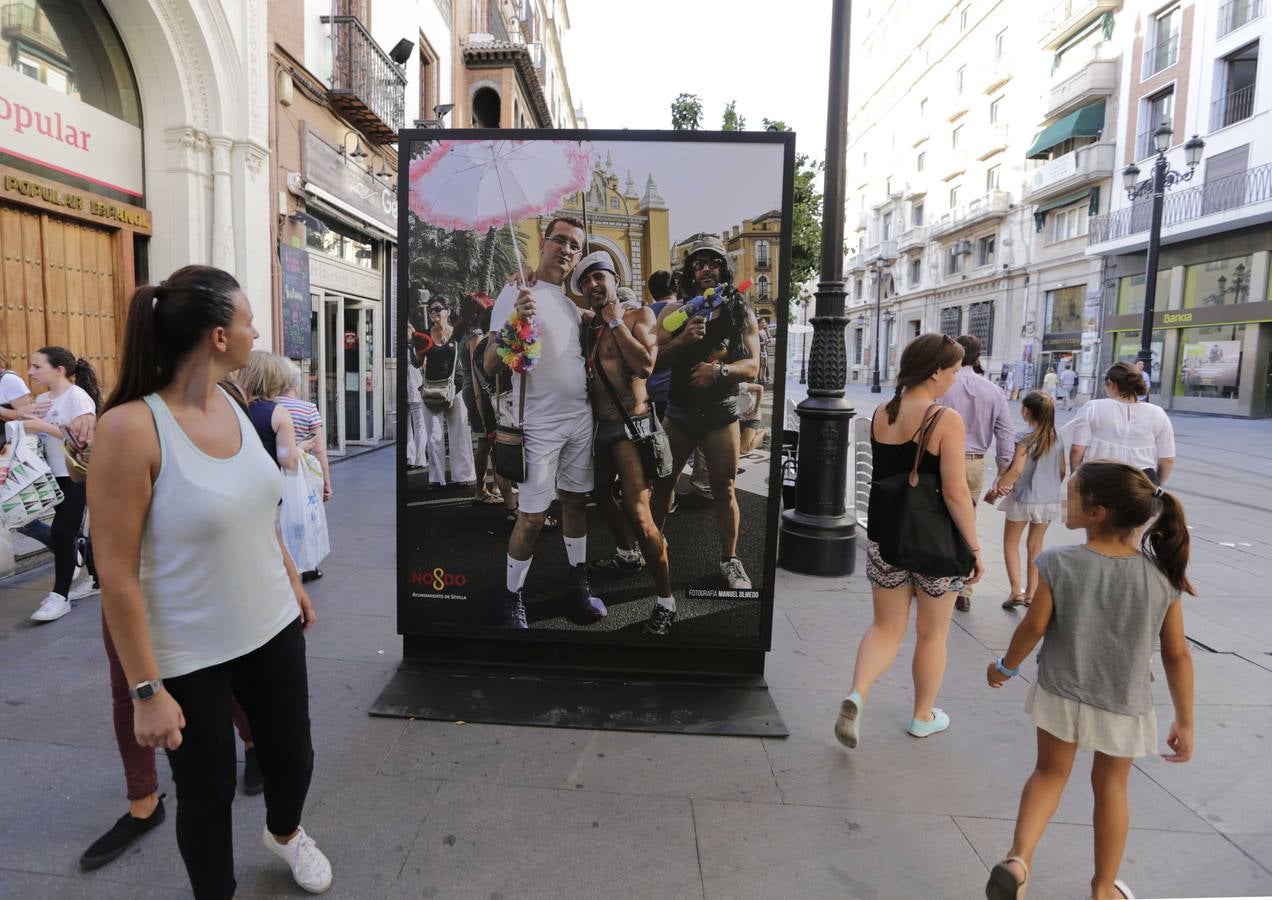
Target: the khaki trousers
(975, 484)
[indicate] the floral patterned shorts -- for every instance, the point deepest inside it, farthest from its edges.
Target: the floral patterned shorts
(885, 575)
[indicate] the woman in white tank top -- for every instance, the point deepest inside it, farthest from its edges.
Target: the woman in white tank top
(202, 602)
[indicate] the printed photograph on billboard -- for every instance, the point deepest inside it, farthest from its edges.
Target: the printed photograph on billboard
(591, 352)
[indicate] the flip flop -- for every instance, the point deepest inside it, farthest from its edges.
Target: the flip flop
(1020, 599)
(1121, 886)
(488, 499)
(1002, 884)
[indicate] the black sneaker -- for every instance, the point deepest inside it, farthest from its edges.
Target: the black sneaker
(587, 606)
(253, 779)
(311, 575)
(121, 835)
(514, 610)
(618, 563)
(660, 620)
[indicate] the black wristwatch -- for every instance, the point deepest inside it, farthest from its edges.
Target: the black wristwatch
(145, 689)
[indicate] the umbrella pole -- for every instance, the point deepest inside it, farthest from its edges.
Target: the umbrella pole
(512, 232)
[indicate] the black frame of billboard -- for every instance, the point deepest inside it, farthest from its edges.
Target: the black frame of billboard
(485, 647)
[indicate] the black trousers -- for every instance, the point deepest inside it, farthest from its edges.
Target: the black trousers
(272, 687)
(66, 525)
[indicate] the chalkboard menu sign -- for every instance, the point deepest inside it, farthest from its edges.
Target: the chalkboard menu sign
(296, 306)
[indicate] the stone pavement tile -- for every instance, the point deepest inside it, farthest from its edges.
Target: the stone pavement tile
(27, 885)
(1257, 846)
(20, 637)
(354, 637)
(1229, 779)
(487, 840)
(449, 751)
(1155, 864)
(952, 773)
(762, 851)
(62, 697)
(1247, 614)
(1223, 639)
(346, 738)
(1220, 679)
(359, 590)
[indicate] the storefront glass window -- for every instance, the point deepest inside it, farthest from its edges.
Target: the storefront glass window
(72, 47)
(1218, 283)
(1210, 362)
(1064, 310)
(343, 243)
(1126, 345)
(1130, 292)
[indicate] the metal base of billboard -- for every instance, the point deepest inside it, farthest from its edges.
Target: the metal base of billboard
(499, 695)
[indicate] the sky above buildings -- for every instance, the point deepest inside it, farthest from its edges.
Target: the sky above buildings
(627, 62)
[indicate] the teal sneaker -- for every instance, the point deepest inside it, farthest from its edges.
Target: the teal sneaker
(940, 721)
(846, 726)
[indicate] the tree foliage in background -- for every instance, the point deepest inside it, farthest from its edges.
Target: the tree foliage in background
(686, 113)
(732, 121)
(807, 218)
(452, 264)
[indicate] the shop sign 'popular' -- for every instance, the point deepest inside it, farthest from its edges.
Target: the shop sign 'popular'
(46, 126)
(56, 196)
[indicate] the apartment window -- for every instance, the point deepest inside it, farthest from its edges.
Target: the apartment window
(985, 251)
(956, 136)
(1225, 183)
(916, 214)
(980, 324)
(864, 159)
(856, 289)
(952, 322)
(1164, 33)
(991, 178)
(428, 80)
(953, 198)
(762, 253)
(995, 109)
(1235, 90)
(916, 272)
(887, 185)
(962, 19)
(918, 162)
(1000, 45)
(953, 259)
(857, 342)
(1235, 13)
(960, 79)
(1158, 109)
(762, 287)
(1068, 223)
(887, 227)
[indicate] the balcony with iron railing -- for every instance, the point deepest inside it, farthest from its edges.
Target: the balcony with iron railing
(1235, 13)
(1067, 16)
(367, 87)
(1233, 107)
(991, 206)
(1222, 195)
(914, 236)
(1072, 171)
(885, 250)
(1161, 56)
(488, 23)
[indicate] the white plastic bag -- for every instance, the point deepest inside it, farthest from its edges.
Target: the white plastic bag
(302, 519)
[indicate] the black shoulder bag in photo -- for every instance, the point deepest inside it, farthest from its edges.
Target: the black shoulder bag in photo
(510, 443)
(654, 448)
(910, 522)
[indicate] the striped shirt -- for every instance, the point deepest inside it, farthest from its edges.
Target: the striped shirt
(305, 416)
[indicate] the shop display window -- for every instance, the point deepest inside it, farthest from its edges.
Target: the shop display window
(1130, 292)
(1219, 282)
(1210, 362)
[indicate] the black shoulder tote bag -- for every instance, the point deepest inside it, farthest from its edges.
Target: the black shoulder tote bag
(910, 522)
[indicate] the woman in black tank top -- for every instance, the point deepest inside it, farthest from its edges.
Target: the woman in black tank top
(928, 366)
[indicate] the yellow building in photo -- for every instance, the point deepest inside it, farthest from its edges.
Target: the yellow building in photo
(753, 249)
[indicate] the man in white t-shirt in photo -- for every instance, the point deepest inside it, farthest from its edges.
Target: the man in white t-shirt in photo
(557, 426)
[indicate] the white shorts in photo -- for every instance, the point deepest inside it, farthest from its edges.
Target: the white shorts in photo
(558, 455)
(1034, 513)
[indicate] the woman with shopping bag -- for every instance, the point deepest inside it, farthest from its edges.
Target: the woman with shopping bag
(311, 439)
(202, 601)
(72, 392)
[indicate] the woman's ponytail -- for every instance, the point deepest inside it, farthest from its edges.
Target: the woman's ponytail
(86, 380)
(1167, 543)
(894, 406)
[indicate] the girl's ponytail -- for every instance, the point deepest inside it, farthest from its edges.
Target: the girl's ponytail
(1167, 542)
(86, 380)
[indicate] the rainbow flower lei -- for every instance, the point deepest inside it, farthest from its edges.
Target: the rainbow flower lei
(517, 343)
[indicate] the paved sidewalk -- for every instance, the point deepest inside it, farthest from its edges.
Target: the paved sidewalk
(434, 809)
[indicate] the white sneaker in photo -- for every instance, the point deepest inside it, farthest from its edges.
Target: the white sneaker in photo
(52, 608)
(734, 575)
(309, 867)
(85, 588)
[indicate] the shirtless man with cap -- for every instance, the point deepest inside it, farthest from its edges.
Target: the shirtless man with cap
(621, 351)
(557, 427)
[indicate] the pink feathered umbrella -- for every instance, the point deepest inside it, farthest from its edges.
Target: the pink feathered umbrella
(478, 185)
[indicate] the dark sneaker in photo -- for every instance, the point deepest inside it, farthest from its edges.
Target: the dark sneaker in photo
(120, 837)
(618, 563)
(514, 610)
(253, 780)
(660, 620)
(586, 605)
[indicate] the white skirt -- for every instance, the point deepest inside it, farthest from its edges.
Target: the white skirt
(1035, 513)
(1091, 728)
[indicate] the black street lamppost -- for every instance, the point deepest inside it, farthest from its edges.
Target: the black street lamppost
(1161, 178)
(803, 351)
(818, 536)
(879, 268)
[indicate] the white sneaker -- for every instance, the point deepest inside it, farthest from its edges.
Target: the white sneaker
(84, 589)
(309, 867)
(734, 575)
(53, 608)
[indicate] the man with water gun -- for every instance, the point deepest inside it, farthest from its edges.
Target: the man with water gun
(710, 340)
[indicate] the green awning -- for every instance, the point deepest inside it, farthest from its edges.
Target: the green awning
(1085, 122)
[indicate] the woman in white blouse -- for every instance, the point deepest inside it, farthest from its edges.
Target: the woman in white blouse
(1120, 428)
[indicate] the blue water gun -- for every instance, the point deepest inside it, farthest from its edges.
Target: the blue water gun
(702, 304)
